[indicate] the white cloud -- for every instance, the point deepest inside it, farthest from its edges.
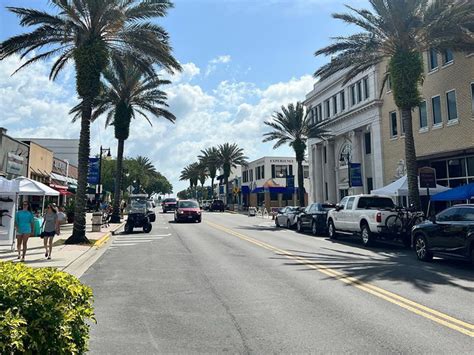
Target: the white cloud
(215, 62)
(31, 105)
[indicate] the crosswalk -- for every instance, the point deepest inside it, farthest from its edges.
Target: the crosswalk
(128, 240)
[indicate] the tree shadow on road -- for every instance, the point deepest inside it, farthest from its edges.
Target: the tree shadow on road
(391, 263)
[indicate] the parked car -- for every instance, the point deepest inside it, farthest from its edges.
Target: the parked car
(449, 234)
(364, 215)
(206, 204)
(169, 204)
(150, 211)
(314, 217)
(217, 205)
(286, 216)
(187, 210)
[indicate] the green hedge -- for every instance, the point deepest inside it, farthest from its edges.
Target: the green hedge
(43, 311)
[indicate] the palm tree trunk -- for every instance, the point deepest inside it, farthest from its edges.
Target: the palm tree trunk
(212, 188)
(301, 190)
(226, 183)
(410, 158)
(79, 229)
(115, 218)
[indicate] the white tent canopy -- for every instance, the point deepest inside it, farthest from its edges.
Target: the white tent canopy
(34, 188)
(8, 187)
(400, 188)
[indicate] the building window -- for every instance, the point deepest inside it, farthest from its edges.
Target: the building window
(366, 88)
(326, 191)
(388, 82)
(423, 115)
(315, 114)
(327, 108)
(472, 98)
(325, 153)
(334, 104)
(245, 176)
(448, 56)
(353, 95)
(342, 99)
(359, 91)
(433, 59)
(281, 171)
(320, 112)
(251, 174)
(451, 104)
(262, 171)
(436, 104)
(306, 172)
(368, 143)
(454, 172)
(393, 124)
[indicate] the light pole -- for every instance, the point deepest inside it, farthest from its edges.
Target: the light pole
(99, 185)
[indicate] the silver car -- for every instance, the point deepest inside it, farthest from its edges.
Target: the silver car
(286, 216)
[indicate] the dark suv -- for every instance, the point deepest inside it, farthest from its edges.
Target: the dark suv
(217, 205)
(449, 234)
(168, 204)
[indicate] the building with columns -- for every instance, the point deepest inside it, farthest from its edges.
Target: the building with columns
(351, 113)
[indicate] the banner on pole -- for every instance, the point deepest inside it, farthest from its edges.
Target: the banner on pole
(93, 173)
(356, 175)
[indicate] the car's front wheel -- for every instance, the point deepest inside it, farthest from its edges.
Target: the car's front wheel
(299, 226)
(314, 228)
(277, 222)
(421, 249)
(332, 230)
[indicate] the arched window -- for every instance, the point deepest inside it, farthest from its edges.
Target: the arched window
(345, 155)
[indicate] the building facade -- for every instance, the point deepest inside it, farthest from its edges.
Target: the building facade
(64, 149)
(351, 114)
(40, 163)
(443, 125)
(13, 156)
(264, 182)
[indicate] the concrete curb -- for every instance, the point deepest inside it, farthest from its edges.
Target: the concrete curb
(107, 236)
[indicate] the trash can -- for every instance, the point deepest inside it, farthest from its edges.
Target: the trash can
(96, 221)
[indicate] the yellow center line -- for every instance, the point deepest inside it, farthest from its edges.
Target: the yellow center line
(414, 307)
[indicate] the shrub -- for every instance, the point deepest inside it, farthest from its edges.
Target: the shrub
(43, 311)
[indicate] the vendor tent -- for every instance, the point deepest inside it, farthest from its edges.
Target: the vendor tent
(464, 192)
(8, 192)
(400, 188)
(34, 188)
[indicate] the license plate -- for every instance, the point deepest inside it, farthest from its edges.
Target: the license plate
(190, 217)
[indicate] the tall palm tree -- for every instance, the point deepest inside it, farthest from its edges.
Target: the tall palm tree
(400, 31)
(89, 33)
(229, 156)
(191, 173)
(202, 174)
(127, 92)
(293, 126)
(210, 158)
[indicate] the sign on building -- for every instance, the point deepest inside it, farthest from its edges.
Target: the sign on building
(355, 175)
(427, 177)
(14, 164)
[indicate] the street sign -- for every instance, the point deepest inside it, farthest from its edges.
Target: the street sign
(427, 177)
(355, 177)
(93, 173)
(290, 181)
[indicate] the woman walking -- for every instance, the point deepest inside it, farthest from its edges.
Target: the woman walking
(24, 224)
(50, 228)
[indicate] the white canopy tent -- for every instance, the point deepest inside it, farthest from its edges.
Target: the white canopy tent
(8, 196)
(400, 188)
(28, 187)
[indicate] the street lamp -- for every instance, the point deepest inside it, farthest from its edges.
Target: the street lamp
(99, 185)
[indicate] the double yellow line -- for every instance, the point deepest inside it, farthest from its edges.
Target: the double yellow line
(414, 307)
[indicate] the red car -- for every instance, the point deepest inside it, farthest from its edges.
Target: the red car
(187, 210)
(168, 204)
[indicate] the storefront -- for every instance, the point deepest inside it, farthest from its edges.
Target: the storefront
(13, 156)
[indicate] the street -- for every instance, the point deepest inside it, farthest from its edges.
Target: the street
(239, 285)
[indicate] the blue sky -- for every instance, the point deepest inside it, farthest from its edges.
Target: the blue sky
(242, 60)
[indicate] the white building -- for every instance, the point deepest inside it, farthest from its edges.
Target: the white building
(64, 149)
(351, 113)
(264, 182)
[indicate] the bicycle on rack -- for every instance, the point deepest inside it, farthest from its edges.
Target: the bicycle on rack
(402, 222)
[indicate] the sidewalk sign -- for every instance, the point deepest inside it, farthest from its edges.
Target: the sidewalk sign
(427, 176)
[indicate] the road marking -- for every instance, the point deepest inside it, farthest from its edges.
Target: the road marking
(414, 307)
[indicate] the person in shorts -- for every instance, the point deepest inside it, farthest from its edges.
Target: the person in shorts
(24, 225)
(50, 229)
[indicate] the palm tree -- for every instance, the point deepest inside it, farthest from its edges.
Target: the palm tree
(191, 173)
(202, 174)
(229, 156)
(90, 33)
(210, 158)
(127, 92)
(400, 31)
(293, 127)
(142, 171)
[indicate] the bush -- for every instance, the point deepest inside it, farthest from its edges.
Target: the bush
(43, 311)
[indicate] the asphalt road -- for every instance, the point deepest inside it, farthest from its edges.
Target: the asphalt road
(239, 285)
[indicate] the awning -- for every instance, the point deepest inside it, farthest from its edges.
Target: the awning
(464, 192)
(275, 190)
(245, 190)
(63, 190)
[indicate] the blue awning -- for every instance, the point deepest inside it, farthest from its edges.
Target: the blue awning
(245, 190)
(464, 192)
(275, 190)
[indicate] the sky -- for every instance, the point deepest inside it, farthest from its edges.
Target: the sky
(242, 60)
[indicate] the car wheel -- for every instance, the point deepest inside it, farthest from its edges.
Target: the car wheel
(277, 223)
(299, 226)
(367, 236)
(421, 249)
(332, 230)
(314, 229)
(198, 220)
(147, 228)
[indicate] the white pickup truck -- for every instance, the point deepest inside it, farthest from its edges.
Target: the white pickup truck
(361, 214)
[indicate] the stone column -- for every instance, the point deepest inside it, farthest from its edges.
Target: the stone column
(331, 172)
(312, 187)
(377, 158)
(318, 173)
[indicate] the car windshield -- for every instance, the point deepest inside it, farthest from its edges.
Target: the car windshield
(375, 203)
(169, 200)
(327, 206)
(188, 204)
(292, 209)
(137, 205)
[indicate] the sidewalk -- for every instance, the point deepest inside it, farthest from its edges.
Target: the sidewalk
(62, 255)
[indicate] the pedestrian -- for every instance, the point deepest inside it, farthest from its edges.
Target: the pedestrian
(37, 231)
(50, 229)
(61, 216)
(24, 224)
